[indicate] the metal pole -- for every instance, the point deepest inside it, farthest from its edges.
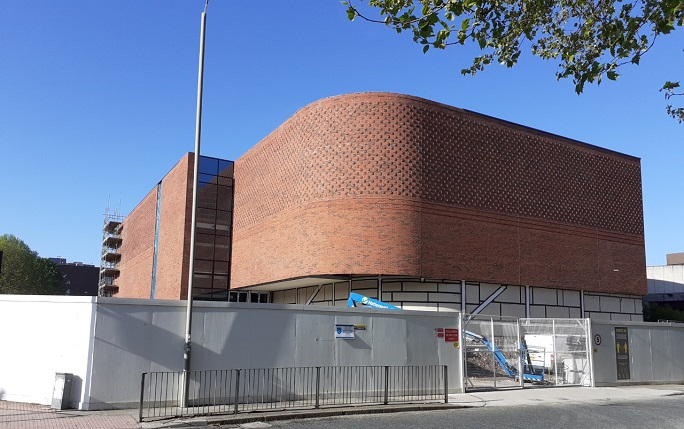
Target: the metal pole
(237, 390)
(446, 385)
(491, 338)
(198, 133)
(318, 387)
(521, 368)
(386, 384)
(555, 355)
(461, 353)
(589, 341)
(142, 396)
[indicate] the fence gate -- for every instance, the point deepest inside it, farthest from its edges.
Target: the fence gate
(548, 352)
(560, 348)
(491, 353)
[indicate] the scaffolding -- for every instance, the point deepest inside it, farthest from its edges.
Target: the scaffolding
(111, 242)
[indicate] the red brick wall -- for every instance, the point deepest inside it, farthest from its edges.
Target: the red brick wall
(137, 244)
(174, 231)
(390, 184)
(137, 249)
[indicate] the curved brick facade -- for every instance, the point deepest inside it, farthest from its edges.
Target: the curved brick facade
(390, 184)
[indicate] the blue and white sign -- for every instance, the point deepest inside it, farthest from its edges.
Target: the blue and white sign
(345, 332)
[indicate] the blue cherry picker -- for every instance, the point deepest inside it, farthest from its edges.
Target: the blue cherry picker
(530, 373)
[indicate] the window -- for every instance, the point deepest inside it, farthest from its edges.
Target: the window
(214, 232)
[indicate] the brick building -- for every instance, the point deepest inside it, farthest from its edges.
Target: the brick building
(79, 279)
(413, 202)
(146, 255)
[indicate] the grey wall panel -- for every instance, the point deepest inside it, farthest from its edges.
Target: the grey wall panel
(655, 350)
(357, 351)
(661, 352)
(314, 342)
(390, 338)
(677, 351)
(242, 339)
(640, 358)
(605, 371)
(133, 337)
(422, 345)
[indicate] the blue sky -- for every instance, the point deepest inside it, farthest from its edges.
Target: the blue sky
(97, 102)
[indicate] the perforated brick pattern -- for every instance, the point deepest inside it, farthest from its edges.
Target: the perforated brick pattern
(394, 149)
(402, 147)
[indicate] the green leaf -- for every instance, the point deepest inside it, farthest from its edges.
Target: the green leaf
(671, 85)
(351, 14)
(587, 39)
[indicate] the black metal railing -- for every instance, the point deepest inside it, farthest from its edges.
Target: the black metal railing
(232, 391)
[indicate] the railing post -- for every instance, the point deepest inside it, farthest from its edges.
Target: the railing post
(318, 386)
(142, 393)
(446, 385)
(237, 389)
(386, 384)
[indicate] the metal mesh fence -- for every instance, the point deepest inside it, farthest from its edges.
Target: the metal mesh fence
(504, 353)
(491, 352)
(560, 347)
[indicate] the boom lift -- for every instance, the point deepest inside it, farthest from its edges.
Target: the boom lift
(529, 372)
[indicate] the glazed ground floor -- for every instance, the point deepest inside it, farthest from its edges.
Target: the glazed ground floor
(465, 296)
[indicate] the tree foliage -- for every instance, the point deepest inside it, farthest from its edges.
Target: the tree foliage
(26, 273)
(654, 312)
(591, 39)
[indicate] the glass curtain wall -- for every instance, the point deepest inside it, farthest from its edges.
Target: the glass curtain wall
(213, 237)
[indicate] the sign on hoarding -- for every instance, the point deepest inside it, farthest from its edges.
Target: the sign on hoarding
(622, 353)
(344, 331)
(451, 335)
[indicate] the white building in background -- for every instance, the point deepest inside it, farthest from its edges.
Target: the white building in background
(666, 282)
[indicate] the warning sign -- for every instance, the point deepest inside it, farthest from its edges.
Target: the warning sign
(451, 335)
(622, 353)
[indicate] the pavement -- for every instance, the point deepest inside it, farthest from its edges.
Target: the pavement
(15, 415)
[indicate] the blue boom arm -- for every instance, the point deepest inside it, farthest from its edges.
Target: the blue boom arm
(369, 302)
(511, 370)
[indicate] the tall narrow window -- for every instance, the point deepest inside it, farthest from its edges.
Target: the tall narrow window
(213, 243)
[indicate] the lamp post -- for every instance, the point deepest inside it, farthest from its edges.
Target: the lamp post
(193, 226)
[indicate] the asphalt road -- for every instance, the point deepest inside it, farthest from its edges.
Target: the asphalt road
(660, 413)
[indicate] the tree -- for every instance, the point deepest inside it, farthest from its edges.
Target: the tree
(591, 39)
(24, 272)
(654, 312)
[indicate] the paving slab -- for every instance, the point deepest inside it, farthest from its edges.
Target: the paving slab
(553, 394)
(18, 415)
(15, 415)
